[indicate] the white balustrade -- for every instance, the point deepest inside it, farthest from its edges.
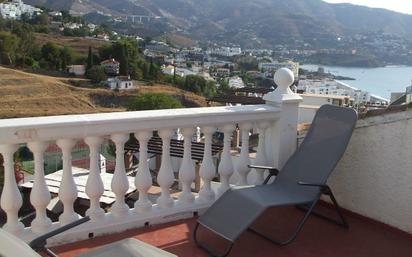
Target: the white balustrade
(11, 200)
(165, 178)
(226, 167)
(187, 173)
(120, 184)
(207, 168)
(93, 128)
(261, 158)
(68, 189)
(242, 165)
(40, 195)
(94, 184)
(143, 179)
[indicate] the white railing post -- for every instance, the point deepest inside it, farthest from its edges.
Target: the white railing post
(187, 173)
(40, 195)
(119, 183)
(207, 168)
(242, 167)
(261, 155)
(226, 168)
(68, 189)
(283, 134)
(94, 184)
(11, 200)
(165, 178)
(143, 179)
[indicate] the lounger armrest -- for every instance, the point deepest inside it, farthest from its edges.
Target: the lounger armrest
(323, 187)
(273, 171)
(39, 243)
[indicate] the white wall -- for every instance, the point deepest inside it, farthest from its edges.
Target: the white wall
(374, 178)
(307, 113)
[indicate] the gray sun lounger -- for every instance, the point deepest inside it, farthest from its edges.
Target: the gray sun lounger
(300, 182)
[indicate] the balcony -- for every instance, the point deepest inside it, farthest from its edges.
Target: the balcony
(367, 186)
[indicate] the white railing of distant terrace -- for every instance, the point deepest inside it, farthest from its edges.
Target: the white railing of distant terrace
(276, 122)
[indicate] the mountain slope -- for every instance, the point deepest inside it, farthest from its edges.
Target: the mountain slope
(251, 21)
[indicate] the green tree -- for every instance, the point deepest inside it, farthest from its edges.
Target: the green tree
(96, 74)
(66, 56)
(124, 62)
(51, 55)
(8, 47)
(27, 46)
(42, 19)
(89, 59)
(153, 101)
(224, 87)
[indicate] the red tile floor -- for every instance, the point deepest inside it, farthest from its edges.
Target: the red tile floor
(364, 238)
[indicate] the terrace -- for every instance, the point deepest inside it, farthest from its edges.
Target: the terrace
(372, 181)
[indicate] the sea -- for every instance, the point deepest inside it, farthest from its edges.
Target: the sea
(378, 81)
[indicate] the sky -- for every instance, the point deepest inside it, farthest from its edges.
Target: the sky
(404, 6)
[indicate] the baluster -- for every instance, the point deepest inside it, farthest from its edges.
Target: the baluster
(187, 173)
(120, 184)
(207, 168)
(40, 195)
(165, 178)
(226, 163)
(244, 160)
(68, 189)
(94, 184)
(143, 179)
(11, 200)
(261, 152)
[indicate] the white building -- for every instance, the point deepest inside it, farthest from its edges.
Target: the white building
(236, 82)
(16, 8)
(120, 83)
(338, 88)
(225, 51)
(77, 70)
(168, 70)
(182, 72)
(271, 67)
(408, 95)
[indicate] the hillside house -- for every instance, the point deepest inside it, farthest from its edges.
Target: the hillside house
(120, 83)
(111, 66)
(76, 70)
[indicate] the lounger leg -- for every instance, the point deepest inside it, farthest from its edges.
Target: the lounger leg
(295, 232)
(208, 250)
(342, 222)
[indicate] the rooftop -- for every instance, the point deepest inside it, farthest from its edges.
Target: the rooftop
(371, 181)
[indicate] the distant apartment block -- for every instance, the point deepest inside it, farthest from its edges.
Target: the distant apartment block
(338, 88)
(225, 51)
(271, 67)
(16, 8)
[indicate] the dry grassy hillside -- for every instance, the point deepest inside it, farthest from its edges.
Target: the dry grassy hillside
(26, 95)
(29, 95)
(79, 44)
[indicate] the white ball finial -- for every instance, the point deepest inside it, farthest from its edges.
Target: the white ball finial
(284, 78)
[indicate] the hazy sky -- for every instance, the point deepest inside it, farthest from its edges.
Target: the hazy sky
(404, 6)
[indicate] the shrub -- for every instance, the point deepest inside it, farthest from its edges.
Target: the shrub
(153, 101)
(96, 74)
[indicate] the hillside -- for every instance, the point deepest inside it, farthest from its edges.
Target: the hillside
(79, 44)
(28, 95)
(251, 22)
(31, 95)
